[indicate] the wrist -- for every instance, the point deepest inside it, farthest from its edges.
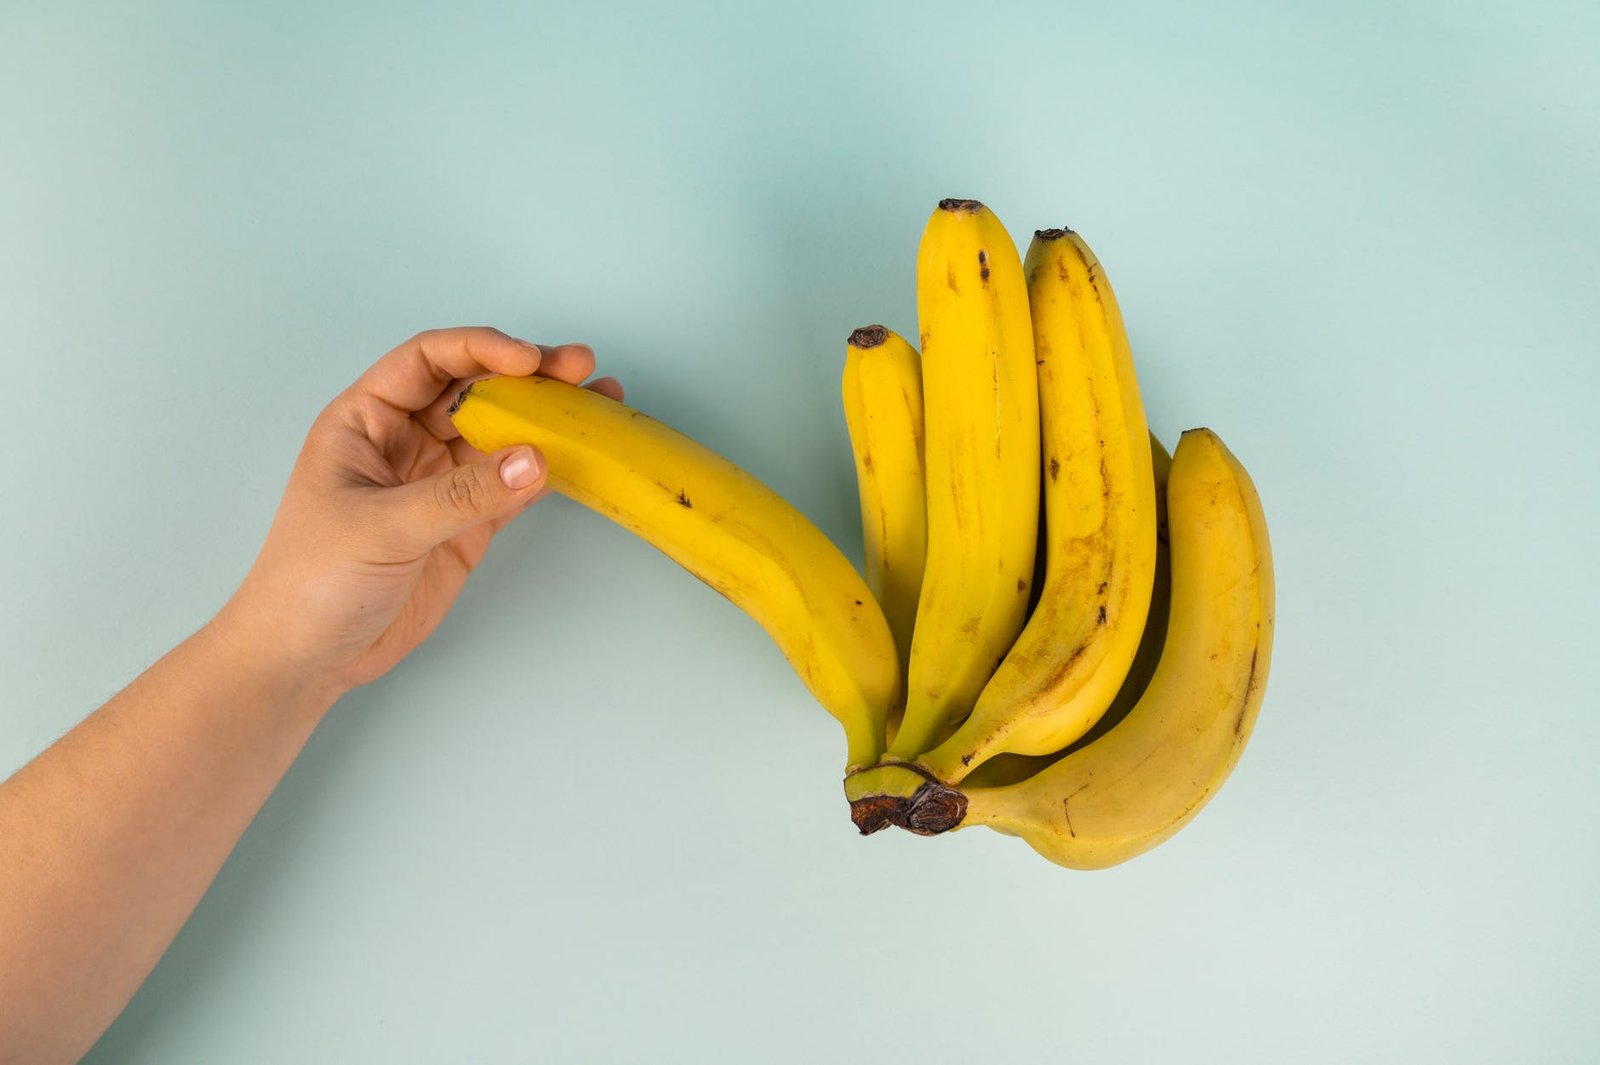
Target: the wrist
(244, 642)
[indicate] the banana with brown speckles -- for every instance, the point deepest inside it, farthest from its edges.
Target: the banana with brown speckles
(717, 521)
(882, 391)
(981, 414)
(1152, 772)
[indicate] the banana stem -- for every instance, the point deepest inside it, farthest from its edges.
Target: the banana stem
(903, 795)
(863, 743)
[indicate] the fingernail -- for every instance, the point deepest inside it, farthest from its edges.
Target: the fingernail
(520, 468)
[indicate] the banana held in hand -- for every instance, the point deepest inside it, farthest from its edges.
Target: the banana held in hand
(1100, 523)
(718, 522)
(981, 408)
(882, 388)
(1150, 774)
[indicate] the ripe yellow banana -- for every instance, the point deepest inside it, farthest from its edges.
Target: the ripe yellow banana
(882, 388)
(718, 522)
(1149, 775)
(1100, 523)
(1010, 768)
(981, 406)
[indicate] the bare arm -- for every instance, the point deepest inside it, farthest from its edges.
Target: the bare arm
(109, 838)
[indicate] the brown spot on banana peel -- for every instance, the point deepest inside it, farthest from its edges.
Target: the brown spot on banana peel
(1249, 690)
(1066, 811)
(983, 264)
(950, 279)
(1055, 467)
(1066, 666)
(683, 500)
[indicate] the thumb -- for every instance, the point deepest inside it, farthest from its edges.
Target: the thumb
(463, 497)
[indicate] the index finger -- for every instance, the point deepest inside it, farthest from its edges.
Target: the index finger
(417, 372)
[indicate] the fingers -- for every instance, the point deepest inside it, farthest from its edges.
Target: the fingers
(572, 363)
(606, 386)
(430, 511)
(566, 362)
(419, 371)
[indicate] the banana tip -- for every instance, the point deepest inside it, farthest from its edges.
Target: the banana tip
(1052, 234)
(461, 397)
(952, 204)
(869, 336)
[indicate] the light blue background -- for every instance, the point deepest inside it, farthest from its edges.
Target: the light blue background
(596, 819)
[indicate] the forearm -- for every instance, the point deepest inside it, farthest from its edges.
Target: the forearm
(109, 838)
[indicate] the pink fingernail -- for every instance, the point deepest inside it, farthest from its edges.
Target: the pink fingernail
(520, 469)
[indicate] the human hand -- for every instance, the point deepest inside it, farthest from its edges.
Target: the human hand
(388, 510)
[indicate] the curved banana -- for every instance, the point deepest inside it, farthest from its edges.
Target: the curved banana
(1005, 769)
(718, 522)
(882, 388)
(1149, 775)
(1100, 523)
(981, 405)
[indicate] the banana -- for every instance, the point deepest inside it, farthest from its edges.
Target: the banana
(1149, 775)
(1010, 768)
(982, 459)
(882, 388)
(718, 522)
(1100, 524)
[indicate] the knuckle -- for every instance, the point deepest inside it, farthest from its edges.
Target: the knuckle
(465, 492)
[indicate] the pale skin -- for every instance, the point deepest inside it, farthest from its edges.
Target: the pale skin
(109, 838)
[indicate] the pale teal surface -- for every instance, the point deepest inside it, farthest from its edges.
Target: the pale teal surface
(1356, 239)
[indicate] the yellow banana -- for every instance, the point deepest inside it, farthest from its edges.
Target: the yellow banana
(1149, 775)
(718, 522)
(1010, 768)
(1100, 523)
(981, 406)
(882, 388)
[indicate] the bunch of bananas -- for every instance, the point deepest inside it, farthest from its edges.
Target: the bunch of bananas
(1063, 633)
